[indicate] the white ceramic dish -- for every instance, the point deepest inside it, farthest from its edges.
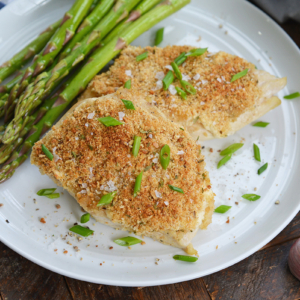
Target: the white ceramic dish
(234, 26)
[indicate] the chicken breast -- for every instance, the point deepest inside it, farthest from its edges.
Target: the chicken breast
(91, 160)
(218, 109)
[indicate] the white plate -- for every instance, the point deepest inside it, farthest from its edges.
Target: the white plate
(245, 31)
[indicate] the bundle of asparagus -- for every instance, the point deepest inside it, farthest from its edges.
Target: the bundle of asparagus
(106, 26)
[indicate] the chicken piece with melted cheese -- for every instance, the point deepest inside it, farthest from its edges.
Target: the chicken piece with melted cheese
(91, 160)
(218, 109)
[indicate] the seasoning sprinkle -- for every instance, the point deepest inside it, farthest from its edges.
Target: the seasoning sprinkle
(168, 79)
(176, 70)
(128, 104)
(81, 230)
(181, 92)
(137, 186)
(142, 56)
(127, 84)
(224, 160)
(261, 124)
(262, 168)
(231, 149)
(109, 121)
(47, 152)
(292, 96)
(176, 189)
(106, 199)
(136, 145)
(222, 209)
(256, 152)
(251, 197)
(85, 218)
(239, 75)
(127, 241)
(185, 258)
(159, 36)
(164, 156)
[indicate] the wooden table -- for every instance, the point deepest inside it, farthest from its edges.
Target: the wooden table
(263, 275)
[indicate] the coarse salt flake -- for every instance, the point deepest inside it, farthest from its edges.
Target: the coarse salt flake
(128, 73)
(86, 124)
(196, 77)
(166, 203)
(219, 79)
(91, 115)
(172, 89)
(180, 152)
(157, 194)
(150, 136)
(169, 67)
(121, 115)
(160, 75)
(56, 157)
(186, 77)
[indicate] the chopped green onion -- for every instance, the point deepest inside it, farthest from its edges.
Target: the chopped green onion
(85, 218)
(261, 124)
(136, 145)
(169, 78)
(224, 160)
(197, 52)
(81, 230)
(181, 128)
(188, 87)
(239, 75)
(222, 209)
(176, 189)
(53, 196)
(262, 168)
(128, 104)
(231, 149)
(256, 152)
(164, 156)
(292, 96)
(127, 241)
(141, 56)
(137, 185)
(127, 84)
(180, 59)
(185, 258)
(45, 192)
(109, 121)
(106, 199)
(251, 197)
(176, 70)
(181, 92)
(159, 36)
(47, 152)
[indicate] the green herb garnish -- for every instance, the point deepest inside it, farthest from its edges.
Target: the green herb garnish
(185, 258)
(180, 59)
(85, 218)
(128, 104)
(176, 70)
(251, 197)
(81, 230)
(47, 152)
(196, 52)
(141, 56)
(53, 196)
(222, 209)
(224, 160)
(262, 168)
(164, 156)
(109, 121)
(137, 185)
(188, 87)
(256, 152)
(45, 192)
(106, 199)
(292, 96)
(127, 241)
(159, 36)
(136, 145)
(181, 92)
(127, 84)
(239, 75)
(231, 149)
(261, 124)
(168, 79)
(176, 189)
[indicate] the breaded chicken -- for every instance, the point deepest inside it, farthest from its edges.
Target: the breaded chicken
(218, 109)
(91, 160)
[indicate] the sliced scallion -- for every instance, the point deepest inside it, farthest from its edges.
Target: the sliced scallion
(224, 160)
(128, 104)
(239, 75)
(53, 196)
(47, 152)
(251, 197)
(176, 189)
(127, 84)
(44, 192)
(188, 87)
(262, 168)
(256, 152)
(159, 36)
(109, 121)
(106, 199)
(168, 79)
(222, 209)
(127, 241)
(136, 145)
(137, 185)
(85, 218)
(81, 230)
(164, 156)
(185, 258)
(141, 56)
(197, 52)
(231, 149)
(181, 93)
(180, 59)
(176, 70)
(261, 124)
(292, 96)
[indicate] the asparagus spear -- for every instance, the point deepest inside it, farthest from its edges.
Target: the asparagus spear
(94, 65)
(28, 52)
(69, 24)
(47, 81)
(87, 25)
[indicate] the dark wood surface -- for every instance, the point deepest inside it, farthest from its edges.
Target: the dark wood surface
(263, 275)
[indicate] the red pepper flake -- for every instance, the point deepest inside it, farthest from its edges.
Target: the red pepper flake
(110, 248)
(55, 250)
(100, 264)
(143, 243)
(236, 203)
(1, 204)
(211, 150)
(227, 221)
(65, 252)
(57, 206)
(42, 220)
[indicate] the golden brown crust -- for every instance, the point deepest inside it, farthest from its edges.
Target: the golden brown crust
(91, 160)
